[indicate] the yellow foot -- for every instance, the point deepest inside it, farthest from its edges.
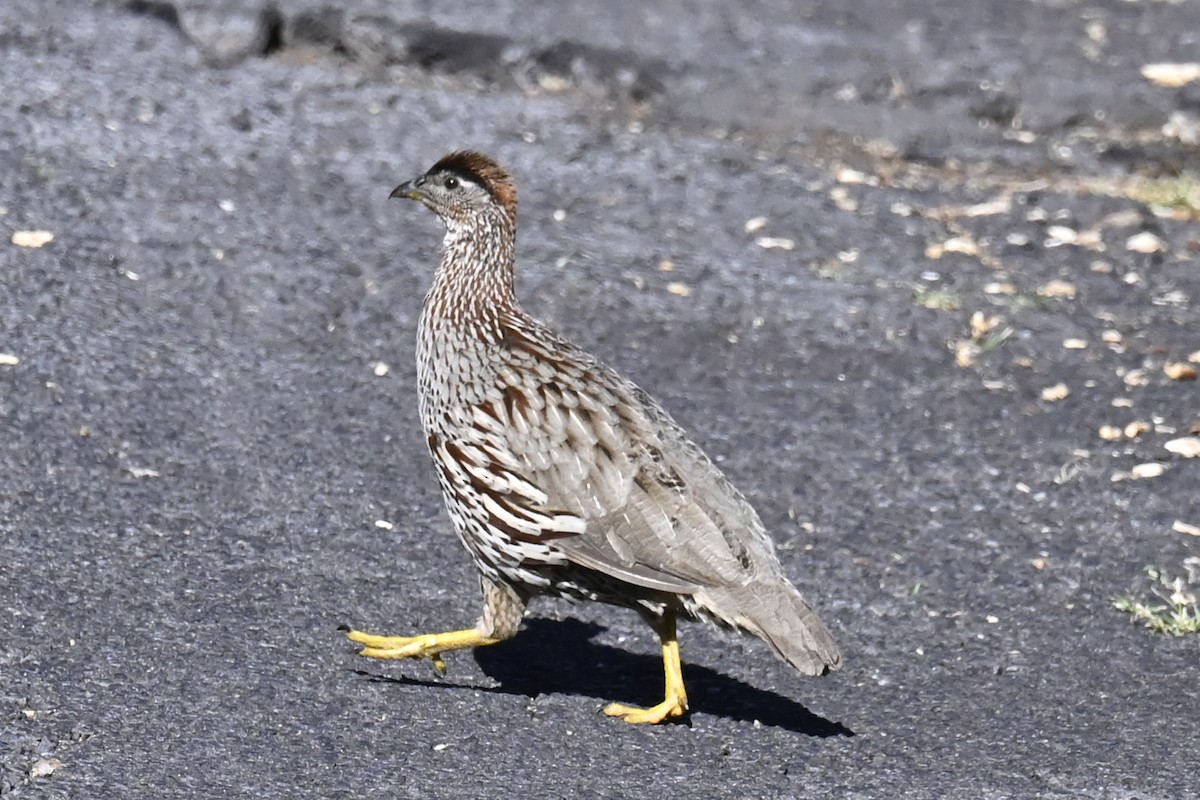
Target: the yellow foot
(669, 709)
(428, 645)
(399, 647)
(675, 704)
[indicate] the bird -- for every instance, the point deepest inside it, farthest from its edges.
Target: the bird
(564, 479)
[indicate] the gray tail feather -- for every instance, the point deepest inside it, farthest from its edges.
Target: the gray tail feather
(775, 612)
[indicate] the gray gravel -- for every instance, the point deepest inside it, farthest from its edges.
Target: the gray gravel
(196, 450)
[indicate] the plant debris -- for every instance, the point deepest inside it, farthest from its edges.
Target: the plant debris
(775, 243)
(1186, 446)
(1144, 242)
(32, 238)
(1178, 371)
(1177, 614)
(1058, 391)
(1171, 75)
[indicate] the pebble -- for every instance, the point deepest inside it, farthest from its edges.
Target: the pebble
(1144, 242)
(32, 238)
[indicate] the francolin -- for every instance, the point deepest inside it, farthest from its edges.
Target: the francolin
(562, 478)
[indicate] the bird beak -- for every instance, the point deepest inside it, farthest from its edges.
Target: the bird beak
(409, 190)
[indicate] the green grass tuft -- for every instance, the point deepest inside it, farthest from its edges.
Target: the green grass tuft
(1179, 192)
(937, 299)
(1176, 612)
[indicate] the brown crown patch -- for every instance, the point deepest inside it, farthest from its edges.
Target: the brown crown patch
(482, 170)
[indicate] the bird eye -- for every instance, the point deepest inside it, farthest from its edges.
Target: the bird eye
(451, 182)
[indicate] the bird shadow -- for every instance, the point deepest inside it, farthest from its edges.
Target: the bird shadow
(559, 657)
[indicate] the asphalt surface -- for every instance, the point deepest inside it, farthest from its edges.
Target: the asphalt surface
(203, 474)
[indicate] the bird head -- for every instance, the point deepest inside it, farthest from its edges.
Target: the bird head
(461, 186)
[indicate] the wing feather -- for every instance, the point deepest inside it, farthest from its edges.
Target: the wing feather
(606, 473)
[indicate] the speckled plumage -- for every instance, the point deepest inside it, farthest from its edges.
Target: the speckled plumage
(560, 476)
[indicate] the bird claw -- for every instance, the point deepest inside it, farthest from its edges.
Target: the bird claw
(428, 645)
(669, 709)
(396, 647)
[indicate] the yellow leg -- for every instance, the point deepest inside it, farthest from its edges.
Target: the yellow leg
(675, 703)
(429, 645)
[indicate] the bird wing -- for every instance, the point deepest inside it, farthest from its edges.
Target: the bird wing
(608, 467)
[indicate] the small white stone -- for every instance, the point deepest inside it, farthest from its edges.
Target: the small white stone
(1172, 75)
(1186, 446)
(1147, 470)
(1136, 377)
(142, 472)
(755, 225)
(1144, 242)
(1057, 288)
(1182, 527)
(32, 238)
(961, 244)
(841, 198)
(1060, 234)
(1136, 428)
(999, 205)
(1058, 391)
(848, 175)
(1179, 371)
(775, 243)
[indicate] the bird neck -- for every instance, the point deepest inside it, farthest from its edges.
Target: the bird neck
(474, 283)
